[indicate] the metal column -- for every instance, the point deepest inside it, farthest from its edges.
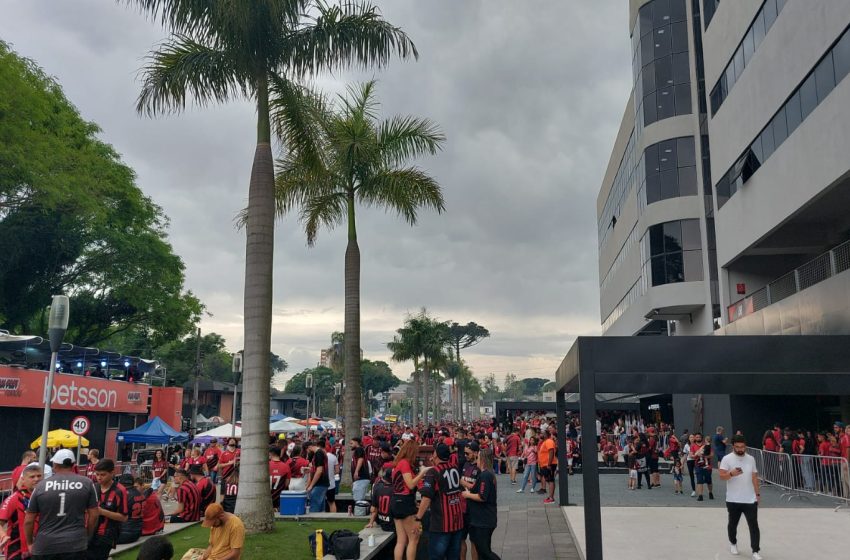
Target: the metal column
(590, 467)
(563, 476)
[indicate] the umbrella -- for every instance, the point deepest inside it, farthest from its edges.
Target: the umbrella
(284, 426)
(60, 438)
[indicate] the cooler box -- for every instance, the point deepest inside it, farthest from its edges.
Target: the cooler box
(362, 508)
(293, 503)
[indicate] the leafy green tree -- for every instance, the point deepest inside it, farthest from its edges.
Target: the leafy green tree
(533, 385)
(491, 391)
(219, 51)
(73, 221)
(378, 377)
(362, 161)
(462, 337)
(550, 386)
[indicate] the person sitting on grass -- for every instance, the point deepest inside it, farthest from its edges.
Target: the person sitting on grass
(227, 536)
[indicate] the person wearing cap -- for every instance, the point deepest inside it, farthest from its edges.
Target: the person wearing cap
(112, 510)
(13, 513)
(441, 494)
(205, 487)
(67, 511)
(227, 536)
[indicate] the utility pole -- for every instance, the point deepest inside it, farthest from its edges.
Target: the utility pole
(194, 423)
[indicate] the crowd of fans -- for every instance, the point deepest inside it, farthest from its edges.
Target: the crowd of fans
(450, 467)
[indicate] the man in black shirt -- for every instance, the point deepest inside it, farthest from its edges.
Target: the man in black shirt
(469, 474)
(441, 492)
(359, 470)
(481, 501)
(382, 494)
(460, 443)
(318, 484)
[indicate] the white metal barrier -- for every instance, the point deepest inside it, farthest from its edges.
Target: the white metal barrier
(801, 475)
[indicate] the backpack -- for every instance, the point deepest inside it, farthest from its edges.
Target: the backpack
(327, 544)
(345, 544)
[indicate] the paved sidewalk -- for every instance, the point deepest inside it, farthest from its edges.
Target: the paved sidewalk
(528, 529)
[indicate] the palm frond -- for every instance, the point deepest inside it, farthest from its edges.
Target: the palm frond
(297, 114)
(404, 137)
(179, 16)
(404, 190)
(184, 67)
(327, 210)
(352, 34)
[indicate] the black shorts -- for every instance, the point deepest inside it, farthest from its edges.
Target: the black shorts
(330, 495)
(465, 531)
(403, 505)
(547, 474)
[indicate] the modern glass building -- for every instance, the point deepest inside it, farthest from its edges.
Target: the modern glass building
(725, 206)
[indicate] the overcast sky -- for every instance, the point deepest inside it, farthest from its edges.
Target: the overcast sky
(529, 94)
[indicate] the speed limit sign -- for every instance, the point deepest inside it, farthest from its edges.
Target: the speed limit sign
(80, 425)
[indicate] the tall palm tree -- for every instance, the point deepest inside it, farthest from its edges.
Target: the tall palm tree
(361, 160)
(253, 49)
(405, 347)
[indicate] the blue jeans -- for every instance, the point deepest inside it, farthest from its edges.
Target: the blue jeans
(530, 473)
(358, 489)
(318, 497)
(213, 477)
(444, 546)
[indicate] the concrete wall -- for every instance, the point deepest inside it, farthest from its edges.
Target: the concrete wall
(820, 309)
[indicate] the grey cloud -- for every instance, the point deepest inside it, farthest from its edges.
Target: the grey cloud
(529, 95)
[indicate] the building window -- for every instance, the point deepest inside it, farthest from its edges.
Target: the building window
(817, 85)
(670, 170)
(672, 252)
(758, 29)
(709, 7)
(661, 62)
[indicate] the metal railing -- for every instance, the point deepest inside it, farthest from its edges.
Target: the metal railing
(801, 475)
(817, 270)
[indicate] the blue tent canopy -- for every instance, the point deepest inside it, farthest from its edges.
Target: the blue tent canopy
(276, 417)
(154, 430)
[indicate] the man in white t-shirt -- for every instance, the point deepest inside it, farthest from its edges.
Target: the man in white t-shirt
(333, 478)
(739, 471)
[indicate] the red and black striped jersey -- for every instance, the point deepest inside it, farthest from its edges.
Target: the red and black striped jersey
(442, 486)
(279, 476)
(188, 495)
(212, 455)
(206, 493)
(113, 499)
(12, 512)
(470, 475)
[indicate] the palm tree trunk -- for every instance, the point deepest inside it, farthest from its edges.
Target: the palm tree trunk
(438, 397)
(415, 418)
(353, 392)
(253, 505)
(425, 389)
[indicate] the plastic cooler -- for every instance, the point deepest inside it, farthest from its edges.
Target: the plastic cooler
(293, 503)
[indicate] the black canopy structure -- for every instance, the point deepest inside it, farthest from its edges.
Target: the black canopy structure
(729, 365)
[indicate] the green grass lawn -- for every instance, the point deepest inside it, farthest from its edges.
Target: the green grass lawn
(289, 540)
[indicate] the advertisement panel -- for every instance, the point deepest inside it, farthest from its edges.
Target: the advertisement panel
(26, 388)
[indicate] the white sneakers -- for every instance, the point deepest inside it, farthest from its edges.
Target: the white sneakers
(519, 491)
(733, 550)
(693, 494)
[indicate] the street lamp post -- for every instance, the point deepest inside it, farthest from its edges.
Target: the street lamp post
(370, 404)
(237, 370)
(308, 384)
(56, 326)
(337, 395)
